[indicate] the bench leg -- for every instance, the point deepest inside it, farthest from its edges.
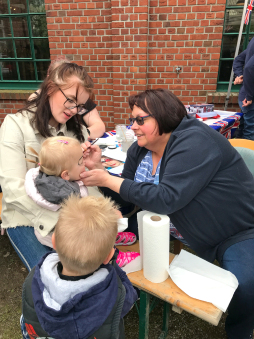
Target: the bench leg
(166, 311)
(144, 315)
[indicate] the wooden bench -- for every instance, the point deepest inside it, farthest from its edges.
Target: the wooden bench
(170, 294)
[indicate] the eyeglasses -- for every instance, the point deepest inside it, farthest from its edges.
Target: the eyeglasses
(70, 104)
(139, 120)
(81, 160)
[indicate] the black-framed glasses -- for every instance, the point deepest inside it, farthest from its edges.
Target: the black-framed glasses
(81, 160)
(70, 104)
(139, 120)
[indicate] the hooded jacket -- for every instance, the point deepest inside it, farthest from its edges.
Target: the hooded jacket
(244, 65)
(204, 187)
(52, 186)
(74, 309)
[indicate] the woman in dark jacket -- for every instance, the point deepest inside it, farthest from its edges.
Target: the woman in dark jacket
(183, 168)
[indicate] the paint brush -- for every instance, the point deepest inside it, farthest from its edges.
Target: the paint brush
(93, 142)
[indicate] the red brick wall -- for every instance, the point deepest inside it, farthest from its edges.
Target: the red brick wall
(11, 101)
(130, 45)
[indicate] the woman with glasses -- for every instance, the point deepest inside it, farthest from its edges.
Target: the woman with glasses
(54, 112)
(91, 118)
(183, 168)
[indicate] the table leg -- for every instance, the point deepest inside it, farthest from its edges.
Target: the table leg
(166, 310)
(144, 315)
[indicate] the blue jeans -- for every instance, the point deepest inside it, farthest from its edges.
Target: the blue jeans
(239, 259)
(246, 129)
(25, 243)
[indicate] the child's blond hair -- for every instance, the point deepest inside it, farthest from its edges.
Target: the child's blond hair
(56, 155)
(85, 233)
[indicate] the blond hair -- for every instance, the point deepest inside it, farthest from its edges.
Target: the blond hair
(56, 155)
(85, 233)
(61, 59)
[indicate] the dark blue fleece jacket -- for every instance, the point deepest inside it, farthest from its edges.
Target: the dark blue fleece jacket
(85, 312)
(204, 186)
(244, 65)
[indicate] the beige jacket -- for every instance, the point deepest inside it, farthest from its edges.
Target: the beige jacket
(16, 136)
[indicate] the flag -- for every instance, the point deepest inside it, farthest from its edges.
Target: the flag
(248, 12)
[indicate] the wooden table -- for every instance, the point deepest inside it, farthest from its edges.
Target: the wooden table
(170, 294)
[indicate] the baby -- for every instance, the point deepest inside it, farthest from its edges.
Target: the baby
(58, 176)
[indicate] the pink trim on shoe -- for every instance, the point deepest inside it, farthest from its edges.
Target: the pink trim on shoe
(125, 238)
(124, 258)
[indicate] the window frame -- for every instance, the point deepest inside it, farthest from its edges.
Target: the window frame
(22, 84)
(222, 86)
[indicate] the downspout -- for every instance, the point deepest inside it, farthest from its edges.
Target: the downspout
(147, 49)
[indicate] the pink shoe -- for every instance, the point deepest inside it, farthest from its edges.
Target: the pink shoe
(125, 238)
(124, 258)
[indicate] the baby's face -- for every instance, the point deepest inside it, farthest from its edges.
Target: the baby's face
(78, 166)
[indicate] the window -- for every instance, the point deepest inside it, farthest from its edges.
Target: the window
(24, 46)
(232, 22)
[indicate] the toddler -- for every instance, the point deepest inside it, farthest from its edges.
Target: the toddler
(76, 292)
(57, 177)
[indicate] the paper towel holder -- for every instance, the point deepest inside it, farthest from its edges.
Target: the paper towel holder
(155, 218)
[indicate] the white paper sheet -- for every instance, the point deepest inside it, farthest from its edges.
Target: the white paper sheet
(134, 266)
(117, 170)
(106, 141)
(122, 224)
(202, 280)
(116, 154)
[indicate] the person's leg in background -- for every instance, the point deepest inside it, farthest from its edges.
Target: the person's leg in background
(239, 260)
(26, 245)
(239, 132)
(248, 117)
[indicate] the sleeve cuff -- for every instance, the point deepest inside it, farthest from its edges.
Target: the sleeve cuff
(125, 188)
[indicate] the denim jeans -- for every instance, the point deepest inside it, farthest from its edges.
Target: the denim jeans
(25, 243)
(246, 130)
(239, 259)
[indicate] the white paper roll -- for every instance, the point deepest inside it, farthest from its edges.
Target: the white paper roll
(155, 247)
(140, 216)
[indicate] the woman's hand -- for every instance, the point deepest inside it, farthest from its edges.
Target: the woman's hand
(92, 156)
(95, 177)
(99, 177)
(86, 147)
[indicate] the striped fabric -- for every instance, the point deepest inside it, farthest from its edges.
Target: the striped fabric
(144, 174)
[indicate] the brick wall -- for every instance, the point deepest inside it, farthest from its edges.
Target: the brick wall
(130, 45)
(11, 101)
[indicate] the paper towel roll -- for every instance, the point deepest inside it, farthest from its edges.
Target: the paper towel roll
(155, 247)
(140, 216)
